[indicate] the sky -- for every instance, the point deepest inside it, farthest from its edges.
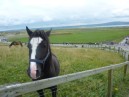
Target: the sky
(16, 12)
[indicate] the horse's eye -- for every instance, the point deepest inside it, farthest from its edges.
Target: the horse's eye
(45, 45)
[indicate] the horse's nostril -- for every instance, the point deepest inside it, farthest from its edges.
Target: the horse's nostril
(37, 73)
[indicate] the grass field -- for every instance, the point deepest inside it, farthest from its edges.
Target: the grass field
(83, 35)
(14, 63)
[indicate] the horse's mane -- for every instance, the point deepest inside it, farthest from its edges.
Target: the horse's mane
(40, 33)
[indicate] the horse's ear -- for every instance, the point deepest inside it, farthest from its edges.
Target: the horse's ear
(48, 32)
(29, 31)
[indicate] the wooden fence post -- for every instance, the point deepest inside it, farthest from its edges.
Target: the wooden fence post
(125, 67)
(110, 83)
(128, 57)
(125, 70)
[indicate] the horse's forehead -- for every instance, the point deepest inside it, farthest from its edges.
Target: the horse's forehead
(36, 40)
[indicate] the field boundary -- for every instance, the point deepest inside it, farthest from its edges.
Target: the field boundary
(19, 89)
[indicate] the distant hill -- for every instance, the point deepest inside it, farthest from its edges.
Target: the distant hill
(60, 26)
(108, 24)
(117, 23)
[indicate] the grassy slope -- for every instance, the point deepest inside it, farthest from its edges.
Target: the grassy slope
(14, 62)
(84, 35)
(91, 35)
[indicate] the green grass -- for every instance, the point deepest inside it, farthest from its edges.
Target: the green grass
(22, 39)
(84, 35)
(90, 35)
(14, 63)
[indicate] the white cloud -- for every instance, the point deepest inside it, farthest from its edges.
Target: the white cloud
(20, 11)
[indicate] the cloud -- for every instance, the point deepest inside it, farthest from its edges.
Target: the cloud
(30, 11)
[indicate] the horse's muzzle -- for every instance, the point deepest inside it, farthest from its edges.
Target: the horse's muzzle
(33, 72)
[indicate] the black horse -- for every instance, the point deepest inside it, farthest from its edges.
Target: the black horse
(42, 62)
(16, 43)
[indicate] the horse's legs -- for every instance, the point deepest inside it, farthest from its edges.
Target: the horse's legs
(54, 91)
(41, 93)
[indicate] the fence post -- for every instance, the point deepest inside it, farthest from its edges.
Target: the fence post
(110, 83)
(125, 70)
(118, 49)
(125, 67)
(128, 57)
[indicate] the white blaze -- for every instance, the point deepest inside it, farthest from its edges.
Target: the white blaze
(34, 43)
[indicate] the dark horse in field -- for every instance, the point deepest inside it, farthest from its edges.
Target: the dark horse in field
(15, 43)
(42, 62)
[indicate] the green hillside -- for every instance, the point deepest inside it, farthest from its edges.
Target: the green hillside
(82, 35)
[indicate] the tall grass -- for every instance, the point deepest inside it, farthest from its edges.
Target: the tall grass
(14, 63)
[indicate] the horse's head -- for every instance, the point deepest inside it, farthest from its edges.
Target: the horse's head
(39, 51)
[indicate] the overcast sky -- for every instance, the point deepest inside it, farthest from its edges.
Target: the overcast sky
(91, 11)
